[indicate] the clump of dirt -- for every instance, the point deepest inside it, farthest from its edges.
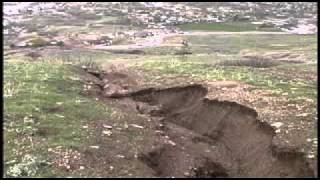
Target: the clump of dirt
(169, 161)
(206, 138)
(33, 55)
(114, 83)
(210, 169)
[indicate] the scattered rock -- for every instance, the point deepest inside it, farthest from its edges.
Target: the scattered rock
(159, 132)
(107, 132)
(172, 143)
(120, 156)
(303, 115)
(60, 116)
(107, 126)
(311, 156)
(125, 125)
(94, 147)
(277, 124)
(137, 126)
(309, 100)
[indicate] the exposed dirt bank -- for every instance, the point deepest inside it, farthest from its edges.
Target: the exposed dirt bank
(203, 137)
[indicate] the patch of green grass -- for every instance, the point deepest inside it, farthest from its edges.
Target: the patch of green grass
(230, 27)
(299, 67)
(243, 74)
(43, 109)
(106, 28)
(233, 44)
(78, 55)
(108, 20)
(162, 50)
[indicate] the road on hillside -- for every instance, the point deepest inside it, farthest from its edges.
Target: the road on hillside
(157, 40)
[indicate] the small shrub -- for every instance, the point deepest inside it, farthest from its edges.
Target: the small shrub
(184, 50)
(119, 41)
(33, 55)
(133, 51)
(89, 64)
(38, 42)
(60, 43)
(12, 45)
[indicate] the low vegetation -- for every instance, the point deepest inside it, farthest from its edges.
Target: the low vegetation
(44, 109)
(257, 63)
(230, 27)
(244, 74)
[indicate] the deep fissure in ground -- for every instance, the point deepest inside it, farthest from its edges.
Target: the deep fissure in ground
(209, 138)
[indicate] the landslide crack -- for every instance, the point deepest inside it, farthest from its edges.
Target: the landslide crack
(243, 145)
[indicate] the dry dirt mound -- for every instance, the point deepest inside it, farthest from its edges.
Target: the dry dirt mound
(115, 82)
(208, 138)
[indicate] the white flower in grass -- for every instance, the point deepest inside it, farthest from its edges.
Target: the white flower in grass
(60, 116)
(14, 171)
(74, 78)
(79, 101)
(59, 103)
(27, 119)
(28, 167)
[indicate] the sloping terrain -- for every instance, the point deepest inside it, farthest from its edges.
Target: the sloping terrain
(208, 138)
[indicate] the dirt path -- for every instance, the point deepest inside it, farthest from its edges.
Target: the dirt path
(157, 40)
(140, 44)
(197, 33)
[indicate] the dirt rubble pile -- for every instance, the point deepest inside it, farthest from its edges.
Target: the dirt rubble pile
(203, 137)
